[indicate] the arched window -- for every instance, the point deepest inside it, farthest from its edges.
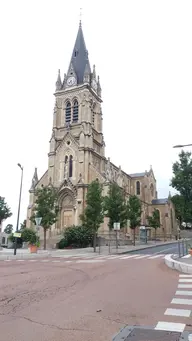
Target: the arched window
(68, 113)
(75, 111)
(70, 166)
(138, 188)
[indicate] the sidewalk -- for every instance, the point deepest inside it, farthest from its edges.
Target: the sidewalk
(7, 254)
(183, 264)
(105, 249)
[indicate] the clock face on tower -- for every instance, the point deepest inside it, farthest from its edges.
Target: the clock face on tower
(71, 81)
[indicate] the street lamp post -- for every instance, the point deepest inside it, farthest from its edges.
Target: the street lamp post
(18, 213)
(182, 145)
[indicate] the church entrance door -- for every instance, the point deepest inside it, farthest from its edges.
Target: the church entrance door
(67, 218)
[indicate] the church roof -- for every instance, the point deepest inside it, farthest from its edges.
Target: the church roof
(137, 175)
(79, 59)
(160, 201)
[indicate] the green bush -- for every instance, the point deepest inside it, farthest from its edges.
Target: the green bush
(77, 236)
(62, 243)
(29, 235)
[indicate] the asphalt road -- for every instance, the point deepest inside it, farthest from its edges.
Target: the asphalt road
(56, 301)
(161, 249)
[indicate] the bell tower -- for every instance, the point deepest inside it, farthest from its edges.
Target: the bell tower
(77, 130)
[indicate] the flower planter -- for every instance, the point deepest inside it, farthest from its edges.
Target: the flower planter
(190, 252)
(33, 248)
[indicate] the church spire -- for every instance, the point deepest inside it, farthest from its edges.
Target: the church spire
(58, 83)
(34, 180)
(79, 64)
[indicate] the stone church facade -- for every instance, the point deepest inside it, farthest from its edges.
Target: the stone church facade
(77, 150)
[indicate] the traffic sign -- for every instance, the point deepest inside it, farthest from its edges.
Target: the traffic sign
(38, 221)
(116, 226)
(17, 235)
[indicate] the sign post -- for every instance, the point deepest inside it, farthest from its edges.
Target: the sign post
(38, 223)
(116, 227)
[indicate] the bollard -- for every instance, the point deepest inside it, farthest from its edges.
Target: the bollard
(179, 250)
(186, 248)
(183, 248)
(109, 247)
(116, 241)
(99, 245)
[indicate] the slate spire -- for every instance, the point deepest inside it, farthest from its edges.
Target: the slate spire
(79, 59)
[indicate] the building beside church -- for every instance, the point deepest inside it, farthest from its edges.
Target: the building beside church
(77, 150)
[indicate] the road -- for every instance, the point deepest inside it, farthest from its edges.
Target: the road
(83, 299)
(161, 249)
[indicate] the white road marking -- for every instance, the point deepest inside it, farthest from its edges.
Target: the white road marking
(184, 301)
(20, 260)
(178, 312)
(183, 292)
(55, 261)
(126, 257)
(90, 261)
(170, 326)
(7, 260)
(32, 260)
(68, 261)
(185, 280)
(184, 286)
(185, 276)
(112, 257)
(157, 256)
(187, 256)
(143, 256)
(45, 260)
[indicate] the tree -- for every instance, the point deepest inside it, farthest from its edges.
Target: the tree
(182, 175)
(46, 207)
(23, 225)
(8, 229)
(134, 213)
(154, 220)
(182, 209)
(93, 214)
(115, 206)
(182, 182)
(5, 211)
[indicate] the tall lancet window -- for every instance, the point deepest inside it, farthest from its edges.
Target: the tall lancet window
(68, 112)
(138, 188)
(70, 166)
(75, 111)
(66, 167)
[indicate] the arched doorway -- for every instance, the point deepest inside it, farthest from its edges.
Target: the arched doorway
(67, 209)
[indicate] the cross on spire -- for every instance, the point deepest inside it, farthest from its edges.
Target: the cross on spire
(80, 16)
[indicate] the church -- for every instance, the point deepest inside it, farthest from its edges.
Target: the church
(77, 151)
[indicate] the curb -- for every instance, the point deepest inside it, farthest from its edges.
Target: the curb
(147, 247)
(176, 265)
(25, 256)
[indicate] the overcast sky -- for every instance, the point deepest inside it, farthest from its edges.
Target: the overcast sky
(143, 53)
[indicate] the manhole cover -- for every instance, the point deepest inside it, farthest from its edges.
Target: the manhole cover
(152, 335)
